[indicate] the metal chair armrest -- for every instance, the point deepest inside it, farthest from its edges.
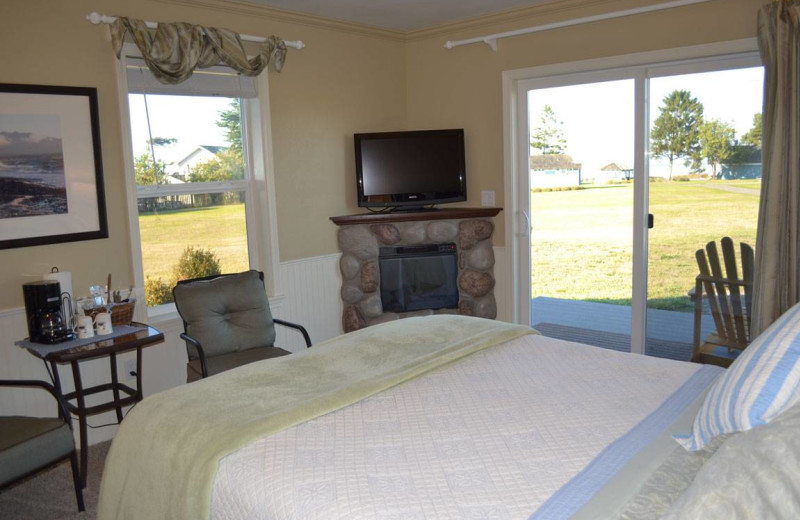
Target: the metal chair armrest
(200, 352)
(35, 383)
(295, 326)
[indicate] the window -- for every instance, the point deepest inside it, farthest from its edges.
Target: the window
(194, 177)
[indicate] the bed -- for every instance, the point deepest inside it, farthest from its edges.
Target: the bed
(454, 417)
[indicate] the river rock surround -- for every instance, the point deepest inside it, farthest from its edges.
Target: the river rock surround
(359, 266)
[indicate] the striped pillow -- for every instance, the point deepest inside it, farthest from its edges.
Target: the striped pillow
(763, 382)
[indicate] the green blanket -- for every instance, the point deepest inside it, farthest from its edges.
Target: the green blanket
(165, 455)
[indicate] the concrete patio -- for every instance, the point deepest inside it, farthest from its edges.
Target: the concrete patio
(612, 324)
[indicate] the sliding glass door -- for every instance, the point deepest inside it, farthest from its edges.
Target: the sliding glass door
(705, 184)
(581, 210)
(622, 175)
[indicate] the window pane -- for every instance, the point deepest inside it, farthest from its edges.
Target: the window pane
(194, 139)
(189, 236)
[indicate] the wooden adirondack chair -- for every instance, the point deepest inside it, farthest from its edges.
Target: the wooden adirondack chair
(730, 299)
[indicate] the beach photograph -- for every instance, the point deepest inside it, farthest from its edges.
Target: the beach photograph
(32, 179)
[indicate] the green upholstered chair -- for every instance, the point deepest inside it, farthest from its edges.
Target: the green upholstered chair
(30, 444)
(227, 322)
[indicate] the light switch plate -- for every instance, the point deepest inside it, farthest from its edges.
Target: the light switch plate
(487, 198)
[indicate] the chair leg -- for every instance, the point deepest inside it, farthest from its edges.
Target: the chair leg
(76, 480)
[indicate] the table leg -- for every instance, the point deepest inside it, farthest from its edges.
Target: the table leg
(114, 382)
(57, 385)
(76, 376)
(138, 374)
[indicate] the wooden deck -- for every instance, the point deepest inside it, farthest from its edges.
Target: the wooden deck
(670, 326)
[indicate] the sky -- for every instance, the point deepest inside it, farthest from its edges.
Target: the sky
(190, 119)
(598, 117)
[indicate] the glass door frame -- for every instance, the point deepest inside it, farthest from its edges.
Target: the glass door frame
(639, 67)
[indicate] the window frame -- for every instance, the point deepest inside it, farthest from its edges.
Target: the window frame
(258, 186)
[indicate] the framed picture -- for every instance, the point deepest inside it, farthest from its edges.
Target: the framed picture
(51, 173)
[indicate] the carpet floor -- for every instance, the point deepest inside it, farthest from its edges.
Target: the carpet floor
(49, 494)
(611, 340)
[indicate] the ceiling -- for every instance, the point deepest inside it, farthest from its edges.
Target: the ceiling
(398, 15)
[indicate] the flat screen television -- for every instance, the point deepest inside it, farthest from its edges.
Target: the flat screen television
(410, 170)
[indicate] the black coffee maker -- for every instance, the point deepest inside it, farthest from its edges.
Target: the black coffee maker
(46, 321)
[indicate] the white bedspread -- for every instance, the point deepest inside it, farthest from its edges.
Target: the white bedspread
(492, 436)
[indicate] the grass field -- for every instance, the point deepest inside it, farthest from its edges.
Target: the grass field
(165, 235)
(582, 240)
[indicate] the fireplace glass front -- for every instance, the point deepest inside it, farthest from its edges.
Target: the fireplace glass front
(414, 278)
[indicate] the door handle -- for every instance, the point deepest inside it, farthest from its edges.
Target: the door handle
(650, 221)
(527, 220)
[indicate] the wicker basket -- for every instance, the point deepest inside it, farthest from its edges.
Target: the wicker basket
(121, 313)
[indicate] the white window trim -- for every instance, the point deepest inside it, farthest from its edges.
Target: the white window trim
(261, 215)
(517, 221)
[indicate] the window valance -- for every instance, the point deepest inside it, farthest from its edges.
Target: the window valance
(175, 50)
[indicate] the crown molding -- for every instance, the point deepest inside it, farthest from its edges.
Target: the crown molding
(522, 16)
(254, 10)
(558, 9)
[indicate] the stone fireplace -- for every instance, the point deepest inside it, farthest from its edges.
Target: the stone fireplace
(362, 236)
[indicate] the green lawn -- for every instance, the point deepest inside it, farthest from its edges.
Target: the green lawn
(165, 235)
(582, 240)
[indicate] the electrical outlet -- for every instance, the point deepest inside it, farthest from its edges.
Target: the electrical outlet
(487, 198)
(130, 368)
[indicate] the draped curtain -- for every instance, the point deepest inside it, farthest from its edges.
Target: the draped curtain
(175, 50)
(777, 277)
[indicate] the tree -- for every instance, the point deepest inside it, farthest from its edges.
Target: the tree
(753, 136)
(162, 141)
(147, 171)
(675, 131)
(231, 121)
(548, 137)
(716, 141)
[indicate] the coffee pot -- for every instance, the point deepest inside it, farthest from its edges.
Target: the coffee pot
(44, 309)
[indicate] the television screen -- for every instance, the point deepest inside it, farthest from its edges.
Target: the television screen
(410, 169)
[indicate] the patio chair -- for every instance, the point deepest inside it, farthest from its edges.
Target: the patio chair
(31, 444)
(730, 299)
(227, 322)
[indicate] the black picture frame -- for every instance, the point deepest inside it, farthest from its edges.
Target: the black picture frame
(51, 167)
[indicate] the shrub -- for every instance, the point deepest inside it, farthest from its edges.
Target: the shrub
(157, 292)
(558, 188)
(196, 263)
(681, 178)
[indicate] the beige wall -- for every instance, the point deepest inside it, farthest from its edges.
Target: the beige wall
(348, 80)
(462, 87)
(345, 81)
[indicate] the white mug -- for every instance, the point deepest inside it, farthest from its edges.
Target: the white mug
(103, 323)
(85, 328)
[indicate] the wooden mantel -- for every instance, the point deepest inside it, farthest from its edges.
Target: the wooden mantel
(411, 216)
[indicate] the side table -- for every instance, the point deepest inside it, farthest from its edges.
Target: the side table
(142, 336)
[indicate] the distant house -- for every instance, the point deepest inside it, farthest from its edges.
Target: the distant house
(554, 171)
(749, 168)
(201, 154)
(613, 172)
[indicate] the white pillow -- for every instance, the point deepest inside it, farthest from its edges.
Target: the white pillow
(759, 385)
(753, 475)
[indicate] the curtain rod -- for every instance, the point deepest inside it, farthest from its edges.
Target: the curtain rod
(491, 40)
(97, 18)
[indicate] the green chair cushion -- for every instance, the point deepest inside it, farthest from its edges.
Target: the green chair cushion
(226, 314)
(30, 443)
(225, 362)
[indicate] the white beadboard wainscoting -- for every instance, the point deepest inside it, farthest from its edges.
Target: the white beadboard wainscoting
(310, 288)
